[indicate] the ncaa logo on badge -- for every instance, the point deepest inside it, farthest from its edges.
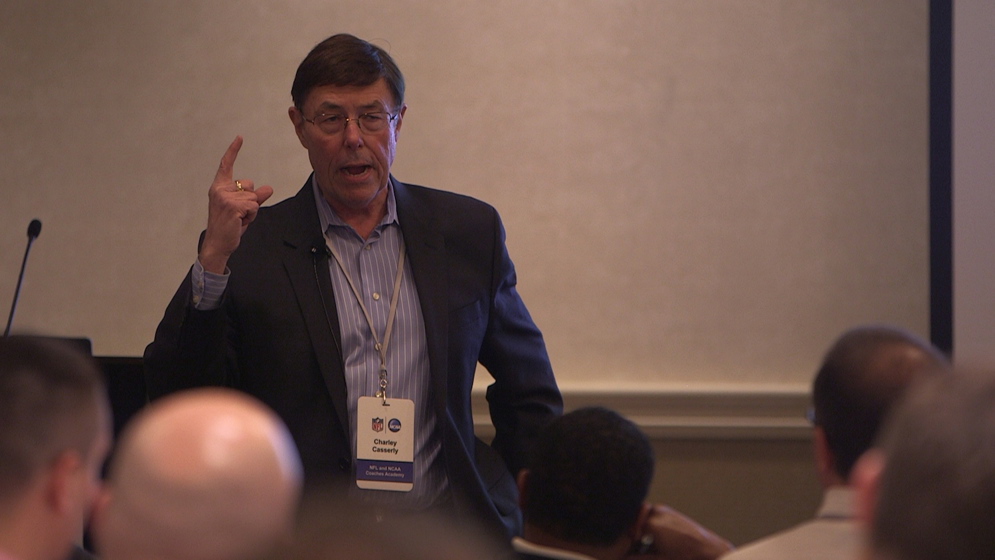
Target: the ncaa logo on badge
(394, 425)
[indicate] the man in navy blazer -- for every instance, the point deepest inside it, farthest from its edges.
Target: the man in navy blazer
(362, 287)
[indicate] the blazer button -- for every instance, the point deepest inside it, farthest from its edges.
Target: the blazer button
(344, 465)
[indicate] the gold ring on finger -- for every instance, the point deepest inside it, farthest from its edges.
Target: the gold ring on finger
(238, 185)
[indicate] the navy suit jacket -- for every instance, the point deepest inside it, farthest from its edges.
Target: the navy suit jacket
(276, 336)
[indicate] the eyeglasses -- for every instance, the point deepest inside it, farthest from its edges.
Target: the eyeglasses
(367, 122)
(811, 417)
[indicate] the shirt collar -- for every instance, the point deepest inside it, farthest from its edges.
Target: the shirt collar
(527, 547)
(838, 502)
(327, 217)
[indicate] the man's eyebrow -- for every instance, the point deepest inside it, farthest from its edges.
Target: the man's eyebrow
(328, 107)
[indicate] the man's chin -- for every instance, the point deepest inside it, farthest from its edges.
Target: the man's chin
(355, 196)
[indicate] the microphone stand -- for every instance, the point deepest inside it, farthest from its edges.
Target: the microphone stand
(33, 231)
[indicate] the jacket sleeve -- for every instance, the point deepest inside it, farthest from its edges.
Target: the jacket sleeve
(190, 348)
(524, 395)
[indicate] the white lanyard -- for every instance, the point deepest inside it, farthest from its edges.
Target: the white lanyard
(381, 347)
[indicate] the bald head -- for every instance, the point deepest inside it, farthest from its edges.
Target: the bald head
(330, 529)
(208, 474)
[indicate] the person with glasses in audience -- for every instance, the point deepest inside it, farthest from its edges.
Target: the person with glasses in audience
(864, 373)
(359, 309)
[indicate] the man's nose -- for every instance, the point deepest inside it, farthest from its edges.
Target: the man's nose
(352, 134)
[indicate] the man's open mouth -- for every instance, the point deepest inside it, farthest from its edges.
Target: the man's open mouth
(355, 169)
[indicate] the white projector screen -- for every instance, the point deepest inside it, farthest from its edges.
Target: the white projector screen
(697, 194)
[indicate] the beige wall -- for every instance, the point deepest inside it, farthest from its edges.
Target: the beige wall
(973, 177)
(741, 489)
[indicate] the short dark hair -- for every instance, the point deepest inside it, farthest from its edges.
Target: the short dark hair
(936, 495)
(589, 474)
(862, 375)
(50, 395)
(346, 60)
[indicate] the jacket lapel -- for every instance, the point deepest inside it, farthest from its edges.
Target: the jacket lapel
(306, 263)
(427, 252)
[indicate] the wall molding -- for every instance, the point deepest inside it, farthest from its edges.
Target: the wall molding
(735, 415)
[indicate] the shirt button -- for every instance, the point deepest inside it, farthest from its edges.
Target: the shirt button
(376, 296)
(344, 465)
(367, 247)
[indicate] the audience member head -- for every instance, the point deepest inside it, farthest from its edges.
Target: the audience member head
(205, 474)
(862, 375)
(928, 490)
(55, 431)
(345, 60)
(587, 481)
(330, 528)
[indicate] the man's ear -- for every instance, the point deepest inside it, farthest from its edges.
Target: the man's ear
(98, 515)
(523, 482)
(297, 118)
(866, 481)
(635, 533)
(400, 119)
(61, 484)
(825, 461)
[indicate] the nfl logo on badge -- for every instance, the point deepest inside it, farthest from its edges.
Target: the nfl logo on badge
(378, 424)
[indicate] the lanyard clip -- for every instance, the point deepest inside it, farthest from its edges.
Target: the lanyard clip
(382, 393)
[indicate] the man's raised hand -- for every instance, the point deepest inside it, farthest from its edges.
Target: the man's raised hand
(232, 205)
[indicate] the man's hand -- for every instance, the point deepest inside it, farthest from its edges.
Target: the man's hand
(678, 537)
(232, 205)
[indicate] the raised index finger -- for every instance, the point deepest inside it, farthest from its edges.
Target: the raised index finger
(226, 169)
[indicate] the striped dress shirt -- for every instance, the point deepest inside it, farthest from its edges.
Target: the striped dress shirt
(372, 264)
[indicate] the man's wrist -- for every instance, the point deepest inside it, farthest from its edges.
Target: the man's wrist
(207, 287)
(213, 262)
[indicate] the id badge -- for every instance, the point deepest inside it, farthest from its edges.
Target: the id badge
(385, 444)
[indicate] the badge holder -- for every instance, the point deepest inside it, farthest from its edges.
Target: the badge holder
(385, 444)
